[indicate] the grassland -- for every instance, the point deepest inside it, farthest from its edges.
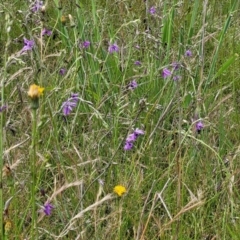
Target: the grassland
(173, 73)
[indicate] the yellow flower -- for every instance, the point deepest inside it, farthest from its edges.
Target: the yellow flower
(8, 226)
(63, 19)
(35, 91)
(119, 190)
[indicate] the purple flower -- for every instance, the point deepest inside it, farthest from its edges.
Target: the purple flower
(152, 10)
(132, 85)
(46, 32)
(37, 6)
(131, 138)
(3, 108)
(62, 71)
(138, 63)
(199, 126)
(188, 53)
(85, 44)
(128, 146)
(166, 73)
(176, 66)
(74, 97)
(113, 48)
(47, 209)
(176, 78)
(28, 45)
(138, 132)
(71, 103)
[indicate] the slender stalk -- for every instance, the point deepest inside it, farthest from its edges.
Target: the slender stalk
(1, 164)
(8, 27)
(33, 171)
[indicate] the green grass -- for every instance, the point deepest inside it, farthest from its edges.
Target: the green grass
(180, 184)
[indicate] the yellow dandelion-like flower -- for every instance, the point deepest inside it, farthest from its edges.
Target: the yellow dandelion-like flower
(63, 19)
(119, 190)
(35, 91)
(8, 226)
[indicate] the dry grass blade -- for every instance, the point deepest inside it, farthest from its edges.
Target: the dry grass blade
(80, 214)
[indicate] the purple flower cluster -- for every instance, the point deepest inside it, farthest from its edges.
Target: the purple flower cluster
(47, 209)
(199, 126)
(167, 73)
(28, 45)
(71, 103)
(132, 85)
(46, 32)
(188, 53)
(37, 6)
(62, 71)
(85, 44)
(113, 48)
(152, 10)
(137, 63)
(131, 138)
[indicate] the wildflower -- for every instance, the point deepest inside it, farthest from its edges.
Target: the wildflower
(63, 19)
(199, 126)
(62, 71)
(119, 190)
(176, 65)
(8, 226)
(46, 32)
(137, 47)
(166, 73)
(138, 132)
(35, 91)
(74, 97)
(188, 53)
(47, 209)
(132, 85)
(128, 146)
(37, 6)
(176, 77)
(84, 44)
(71, 103)
(3, 108)
(138, 63)
(28, 45)
(152, 10)
(113, 48)
(132, 138)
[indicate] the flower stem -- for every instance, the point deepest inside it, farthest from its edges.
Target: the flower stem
(33, 171)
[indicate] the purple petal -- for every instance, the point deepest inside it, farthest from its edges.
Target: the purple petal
(47, 209)
(138, 63)
(132, 85)
(62, 71)
(85, 44)
(138, 132)
(128, 146)
(113, 48)
(166, 73)
(152, 10)
(46, 32)
(131, 138)
(188, 53)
